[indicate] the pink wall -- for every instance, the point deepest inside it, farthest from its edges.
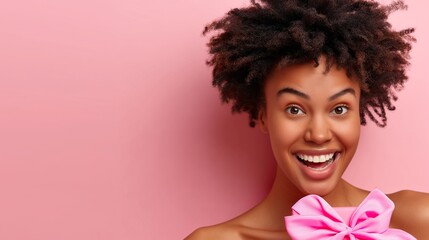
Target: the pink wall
(109, 128)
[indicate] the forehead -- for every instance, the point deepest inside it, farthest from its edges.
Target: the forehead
(306, 77)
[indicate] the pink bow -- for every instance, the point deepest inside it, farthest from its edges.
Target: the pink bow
(313, 218)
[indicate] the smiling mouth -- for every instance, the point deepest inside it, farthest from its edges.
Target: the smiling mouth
(317, 162)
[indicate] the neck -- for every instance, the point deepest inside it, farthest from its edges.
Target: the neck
(284, 195)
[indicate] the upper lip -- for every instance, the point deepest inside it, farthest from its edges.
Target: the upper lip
(313, 152)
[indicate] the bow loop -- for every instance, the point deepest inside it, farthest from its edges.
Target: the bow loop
(313, 218)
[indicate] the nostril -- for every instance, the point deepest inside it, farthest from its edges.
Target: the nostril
(318, 136)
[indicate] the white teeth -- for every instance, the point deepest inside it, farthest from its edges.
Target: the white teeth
(316, 158)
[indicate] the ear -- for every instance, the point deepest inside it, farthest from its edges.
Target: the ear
(262, 121)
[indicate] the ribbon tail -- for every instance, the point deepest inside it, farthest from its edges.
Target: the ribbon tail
(397, 234)
(391, 234)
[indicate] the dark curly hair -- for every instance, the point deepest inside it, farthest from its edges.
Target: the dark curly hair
(353, 34)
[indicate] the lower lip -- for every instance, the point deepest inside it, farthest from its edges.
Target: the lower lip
(316, 174)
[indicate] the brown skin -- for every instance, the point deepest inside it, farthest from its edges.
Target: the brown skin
(322, 123)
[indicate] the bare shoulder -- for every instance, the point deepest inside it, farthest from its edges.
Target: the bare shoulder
(411, 204)
(248, 226)
(228, 231)
(216, 232)
(411, 212)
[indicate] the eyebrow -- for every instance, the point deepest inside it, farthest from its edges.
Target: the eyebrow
(341, 93)
(303, 95)
(292, 91)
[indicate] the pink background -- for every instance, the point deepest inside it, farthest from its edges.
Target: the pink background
(109, 127)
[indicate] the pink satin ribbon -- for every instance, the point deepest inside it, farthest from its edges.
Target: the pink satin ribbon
(313, 218)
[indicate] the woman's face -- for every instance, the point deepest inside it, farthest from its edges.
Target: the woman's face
(312, 118)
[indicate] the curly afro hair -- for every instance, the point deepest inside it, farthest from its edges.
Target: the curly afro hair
(248, 43)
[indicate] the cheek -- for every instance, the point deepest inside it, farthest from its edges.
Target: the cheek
(349, 133)
(283, 133)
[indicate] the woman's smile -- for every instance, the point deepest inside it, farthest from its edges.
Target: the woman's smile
(317, 162)
(318, 167)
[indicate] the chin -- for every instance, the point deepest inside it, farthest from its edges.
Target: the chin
(321, 188)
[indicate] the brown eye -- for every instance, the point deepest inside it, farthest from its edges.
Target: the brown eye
(294, 110)
(340, 110)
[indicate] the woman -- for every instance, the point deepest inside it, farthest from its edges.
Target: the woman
(309, 73)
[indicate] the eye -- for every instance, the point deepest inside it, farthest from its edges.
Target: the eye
(340, 110)
(294, 110)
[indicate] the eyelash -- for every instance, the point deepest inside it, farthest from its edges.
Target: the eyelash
(288, 108)
(343, 106)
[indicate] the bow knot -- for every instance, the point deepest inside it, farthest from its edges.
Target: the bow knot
(313, 218)
(348, 231)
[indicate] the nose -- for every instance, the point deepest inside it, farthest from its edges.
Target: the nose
(318, 130)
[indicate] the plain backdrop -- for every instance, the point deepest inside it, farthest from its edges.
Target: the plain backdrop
(110, 129)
